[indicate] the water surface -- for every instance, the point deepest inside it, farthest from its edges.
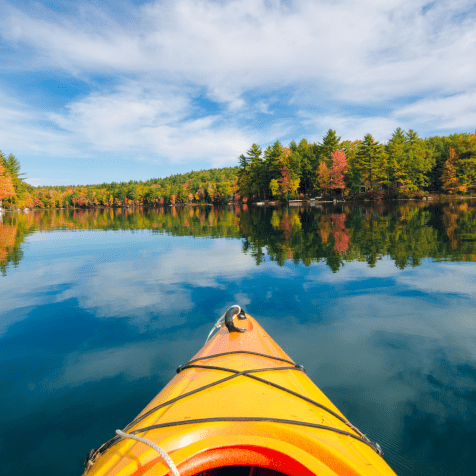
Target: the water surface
(99, 307)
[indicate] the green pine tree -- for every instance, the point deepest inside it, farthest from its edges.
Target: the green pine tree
(371, 162)
(330, 143)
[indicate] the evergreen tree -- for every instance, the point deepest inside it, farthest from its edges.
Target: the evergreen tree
(244, 163)
(257, 171)
(273, 156)
(419, 160)
(251, 172)
(308, 165)
(439, 147)
(395, 149)
(294, 160)
(352, 177)
(371, 162)
(330, 143)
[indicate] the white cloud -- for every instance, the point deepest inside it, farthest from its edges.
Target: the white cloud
(106, 120)
(388, 346)
(455, 112)
(370, 65)
(372, 48)
(354, 127)
(447, 278)
(22, 124)
(207, 267)
(444, 279)
(161, 285)
(133, 361)
(153, 120)
(352, 271)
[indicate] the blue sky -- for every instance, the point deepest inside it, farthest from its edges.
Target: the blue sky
(105, 91)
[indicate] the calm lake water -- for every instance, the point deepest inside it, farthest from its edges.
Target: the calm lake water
(98, 309)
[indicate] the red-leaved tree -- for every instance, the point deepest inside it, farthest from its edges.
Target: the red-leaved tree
(339, 168)
(341, 236)
(285, 179)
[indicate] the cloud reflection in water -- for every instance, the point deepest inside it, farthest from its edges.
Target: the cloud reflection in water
(95, 322)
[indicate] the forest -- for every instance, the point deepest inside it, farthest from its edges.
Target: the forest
(406, 166)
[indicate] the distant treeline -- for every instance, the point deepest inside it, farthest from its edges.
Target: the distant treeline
(405, 166)
(206, 186)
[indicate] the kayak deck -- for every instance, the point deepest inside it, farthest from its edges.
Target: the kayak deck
(241, 406)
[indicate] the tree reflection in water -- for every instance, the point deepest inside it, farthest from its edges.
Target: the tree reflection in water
(407, 232)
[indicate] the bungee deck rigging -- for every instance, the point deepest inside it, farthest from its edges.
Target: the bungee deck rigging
(199, 364)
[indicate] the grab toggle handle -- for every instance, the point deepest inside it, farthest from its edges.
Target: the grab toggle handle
(230, 315)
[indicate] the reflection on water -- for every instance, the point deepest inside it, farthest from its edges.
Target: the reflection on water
(407, 232)
(98, 312)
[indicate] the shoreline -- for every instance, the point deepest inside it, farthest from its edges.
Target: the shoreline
(265, 203)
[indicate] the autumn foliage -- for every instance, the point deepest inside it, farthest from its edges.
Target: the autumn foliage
(407, 232)
(338, 170)
(341, 236)
(207, 186)
(6, 185)
(7, 241)
(324, 177)
(449, 180)
(403, 167)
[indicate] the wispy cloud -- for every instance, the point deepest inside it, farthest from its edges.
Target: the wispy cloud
(190, 81)
(162, 286)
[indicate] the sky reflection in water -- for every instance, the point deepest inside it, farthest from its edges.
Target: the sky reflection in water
(94, 323)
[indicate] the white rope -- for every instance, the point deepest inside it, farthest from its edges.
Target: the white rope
(218, 324)
(165, 456)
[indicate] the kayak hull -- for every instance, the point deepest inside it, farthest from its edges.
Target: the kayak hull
(241, 401)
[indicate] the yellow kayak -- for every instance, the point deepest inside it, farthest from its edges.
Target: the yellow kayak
(241, 406)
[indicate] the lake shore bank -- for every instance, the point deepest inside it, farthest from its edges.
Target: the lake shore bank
(265, 203)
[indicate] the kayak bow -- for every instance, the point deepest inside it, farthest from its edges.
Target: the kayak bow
(241, 406)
